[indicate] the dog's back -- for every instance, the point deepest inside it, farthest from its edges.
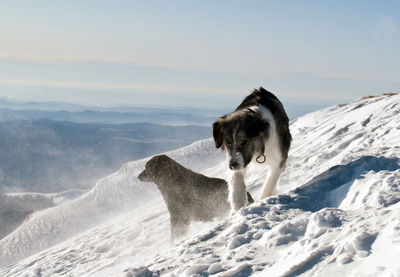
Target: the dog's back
(263, 97)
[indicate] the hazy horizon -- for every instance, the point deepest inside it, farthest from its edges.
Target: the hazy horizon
(46, 109)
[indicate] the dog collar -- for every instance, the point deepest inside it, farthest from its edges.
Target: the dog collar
(263, 159)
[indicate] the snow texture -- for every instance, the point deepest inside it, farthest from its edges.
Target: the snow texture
(337, 212)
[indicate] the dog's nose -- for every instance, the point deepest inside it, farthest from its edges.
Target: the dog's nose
(233, 164)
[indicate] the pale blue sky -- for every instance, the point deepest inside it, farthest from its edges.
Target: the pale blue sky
(197, 53)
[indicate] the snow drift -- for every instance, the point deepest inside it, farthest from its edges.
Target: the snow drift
(337, 212)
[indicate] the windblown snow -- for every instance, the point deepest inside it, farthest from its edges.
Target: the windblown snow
(337, 212)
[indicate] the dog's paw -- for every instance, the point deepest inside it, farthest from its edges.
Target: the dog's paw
(237, 205)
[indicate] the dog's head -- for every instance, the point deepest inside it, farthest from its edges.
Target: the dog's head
(154, 167)
(241, 136)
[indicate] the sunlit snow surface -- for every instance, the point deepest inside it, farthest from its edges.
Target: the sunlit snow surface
(337, 212)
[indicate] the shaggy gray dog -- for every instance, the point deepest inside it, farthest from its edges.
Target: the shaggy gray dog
(189, 196)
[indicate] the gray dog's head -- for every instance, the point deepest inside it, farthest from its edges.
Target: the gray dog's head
(154, 167)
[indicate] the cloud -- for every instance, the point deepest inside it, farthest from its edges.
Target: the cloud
(78, 61)
(112, 86)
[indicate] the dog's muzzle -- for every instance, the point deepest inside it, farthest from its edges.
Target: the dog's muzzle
(143, 176)
(233, 165)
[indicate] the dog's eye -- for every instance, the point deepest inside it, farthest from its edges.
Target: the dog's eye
(229, 143)
(241, 144)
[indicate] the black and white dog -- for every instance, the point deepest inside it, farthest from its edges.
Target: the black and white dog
(258, 130)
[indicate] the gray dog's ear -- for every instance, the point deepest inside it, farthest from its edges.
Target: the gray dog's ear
(255, 125)
(217, 132)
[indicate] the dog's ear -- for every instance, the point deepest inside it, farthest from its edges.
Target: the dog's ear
(218, 132)
(255, 125)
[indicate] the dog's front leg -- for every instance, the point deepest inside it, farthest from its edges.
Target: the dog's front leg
(272, 180)
(237, 191)
(179, 225)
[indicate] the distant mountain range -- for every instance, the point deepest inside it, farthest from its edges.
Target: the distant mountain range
(17, 110)
(50, 156)
(14, 110)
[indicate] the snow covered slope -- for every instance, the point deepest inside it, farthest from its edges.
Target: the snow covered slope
(15, 207)
(337, 212)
